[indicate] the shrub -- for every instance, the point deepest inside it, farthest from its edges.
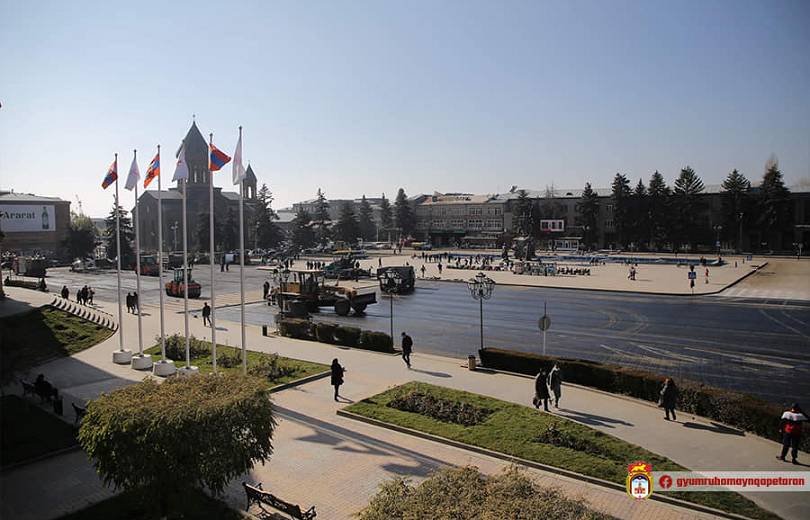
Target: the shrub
(325, 332)
(176, 347)
(440, 409)
(348, 336)
(556, 437)
(466, 494)
(378, 341)
(296, 328)
(226, 360)
(268, 366)
(733, 408)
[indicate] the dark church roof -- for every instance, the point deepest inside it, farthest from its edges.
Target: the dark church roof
(164, 194)
(249, 175)
(196, 155)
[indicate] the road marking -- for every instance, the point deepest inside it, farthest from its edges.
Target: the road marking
(745, 359)
(661, 352)
(797, 331)
(794, 318)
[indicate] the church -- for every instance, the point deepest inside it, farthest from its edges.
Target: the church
(197, 202)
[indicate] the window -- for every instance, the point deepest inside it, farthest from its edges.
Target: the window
(475, 223)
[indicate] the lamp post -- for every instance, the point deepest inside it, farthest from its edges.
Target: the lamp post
(718, 228)
(481, 287)
(739, 236)
(798, 246)
(283, 276)
(586, 228)
(256, 236)
(174, 227)
(390, 283)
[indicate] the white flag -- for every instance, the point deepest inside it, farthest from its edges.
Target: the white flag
(238, 169)
(181, 171)
(134, 175)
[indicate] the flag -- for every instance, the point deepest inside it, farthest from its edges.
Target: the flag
(238, 169)
(153, 170)
(112, 175)
(181, 171)
(134, 175)
(217, 159)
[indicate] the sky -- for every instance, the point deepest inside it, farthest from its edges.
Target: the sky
(364, 97)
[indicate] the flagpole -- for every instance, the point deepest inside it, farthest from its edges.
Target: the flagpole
(122, 356)
(242, 264)
(185, 275)
(164, 367)
(139, 362)
(211, 233)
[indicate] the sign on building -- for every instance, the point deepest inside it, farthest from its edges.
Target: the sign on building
(552, 225)
(16, 218)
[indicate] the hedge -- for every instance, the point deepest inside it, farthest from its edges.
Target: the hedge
(348, 336)
(740, 410)
(377, 341)
(334, 333)
(325, 332)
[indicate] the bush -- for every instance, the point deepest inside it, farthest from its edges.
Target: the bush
(562, 439)
(325, 332)
(268, 366)
(226, 360)
(733, 408)
(296, 328)
(348, 336)
(378, 341)
(444, 410)
(466, 494)
(176, 347)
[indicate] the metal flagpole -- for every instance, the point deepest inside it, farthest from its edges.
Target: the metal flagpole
(242, 264)
(160, 265)
(211, 232)
(185, 274)
(138, 264)
(122, 356)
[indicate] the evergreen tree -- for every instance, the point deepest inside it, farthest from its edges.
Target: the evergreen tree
(588, 215)
(658, 199)
(127, 236)
(620, 195)
(81, 239)
(403, 212)
(347, 228)
(687, 207)
(368, 228)
(774, 205)
(302, 234)
(201, 233)
(321, 218)
(268, 233)
(522, 214)
(386, 218)
(639, 213)
(230, 232)
(735, 204)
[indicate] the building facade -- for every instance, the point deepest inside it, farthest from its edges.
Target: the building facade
(33, 224)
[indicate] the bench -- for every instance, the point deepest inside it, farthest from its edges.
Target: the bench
(255, 494)
(79, 411)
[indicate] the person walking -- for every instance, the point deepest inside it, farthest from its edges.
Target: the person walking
(336, 376)
(129, 302)
(423, 270)
(222, 263)
(65, 292)
(540, 391)
(407, 348)
(440, 268)
(668, 398)
(790, 426)
(555, 384)
(265, 289)
(90, 294)
(135, 305)
(206, 313)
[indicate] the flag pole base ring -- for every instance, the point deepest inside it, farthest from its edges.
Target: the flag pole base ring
(142, 362)
(188, 371)
(164, 368)
(122, 357)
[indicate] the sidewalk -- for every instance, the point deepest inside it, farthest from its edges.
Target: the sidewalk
(337, 463)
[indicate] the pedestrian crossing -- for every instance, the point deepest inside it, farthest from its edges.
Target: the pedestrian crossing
(766, 294)
(171, 304)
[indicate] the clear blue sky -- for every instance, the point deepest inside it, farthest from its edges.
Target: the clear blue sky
(364, 97)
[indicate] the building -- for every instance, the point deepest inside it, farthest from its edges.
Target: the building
(33, 224)
(461, 219)
(226, 203)
(335, 205)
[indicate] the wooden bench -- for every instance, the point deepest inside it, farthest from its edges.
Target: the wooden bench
(255, 494)
(79, 411)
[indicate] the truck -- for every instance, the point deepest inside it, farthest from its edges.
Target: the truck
(30, 266)
(343, 267)
(176, 287)
(308, 290)
(149, 265)
(406, 274)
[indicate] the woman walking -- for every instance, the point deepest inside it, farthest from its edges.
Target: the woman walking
(555, 384)
(337, 376)
(668, 398)
(540, 390)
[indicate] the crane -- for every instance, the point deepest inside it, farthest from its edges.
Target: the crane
(79, 202)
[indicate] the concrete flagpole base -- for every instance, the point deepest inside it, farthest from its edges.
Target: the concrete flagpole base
(188, 371)
(143, 362)
(122, 357)
(164, 368)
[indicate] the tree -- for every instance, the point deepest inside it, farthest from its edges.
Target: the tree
(347, 228)
(588, 215)
(302, 234)
(81, 240)
(658, 207)
(268, 233)
(321, 217)
(207, 430)
(687, 206)
(621, 207)
(523, 214)
(368, 228)
(386, 218)
(202, 237)
(735, 205)
(774, 205)
(403, 213)
(230, 232)
(639, 214)
(127, 236)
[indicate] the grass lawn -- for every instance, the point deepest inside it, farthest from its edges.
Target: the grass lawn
(514, 429)
(29, 431)
(133, 505)
(296, 367)
(42, 334)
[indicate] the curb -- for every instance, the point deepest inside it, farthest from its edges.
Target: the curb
(301, 381)
(341, 347)
(536, 465)
(38, 458)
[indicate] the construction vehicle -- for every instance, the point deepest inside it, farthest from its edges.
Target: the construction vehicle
(308, 287)
(30, 266)
(344, 267)
(404, 272)
(176, 287)
(149, 265)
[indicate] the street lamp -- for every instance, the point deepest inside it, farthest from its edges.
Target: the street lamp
(587, 237)
(739, 236)
(798, 246)
(174, 228)
(390, 283)
(718, 228)
(481, 287)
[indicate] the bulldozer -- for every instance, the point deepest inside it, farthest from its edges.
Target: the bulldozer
(308, 291)
(176, 287)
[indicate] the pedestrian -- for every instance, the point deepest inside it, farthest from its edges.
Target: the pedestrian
(65, 292)
(265, 289)
(707, 275)
(206, 313)
(222, 263)
(423, 270)
(135, 305)
(379, 262)
(790, 427)
(440, 268)
(668, 398)
(407, 348)
(129, 302)
(555, 384)
(91, 293)
(337, 376)
(540, 391)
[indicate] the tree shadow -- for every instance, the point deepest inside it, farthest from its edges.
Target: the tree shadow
(592, 419)
(431, 373)
(715, 428)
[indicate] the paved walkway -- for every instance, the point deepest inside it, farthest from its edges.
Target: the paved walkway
(336, 463)
(781, 279)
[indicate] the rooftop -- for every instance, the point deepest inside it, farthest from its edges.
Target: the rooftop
(10, 196)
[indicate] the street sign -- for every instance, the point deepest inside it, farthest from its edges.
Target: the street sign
(692, 275)
(544, 323)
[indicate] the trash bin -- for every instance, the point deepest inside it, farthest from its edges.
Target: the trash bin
(471, 362)
(57, 405)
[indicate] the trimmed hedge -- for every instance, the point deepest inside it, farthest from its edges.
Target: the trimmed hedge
(333, 333)
(736, 409)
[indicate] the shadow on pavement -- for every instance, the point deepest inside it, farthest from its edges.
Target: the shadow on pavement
(592, 419)
(431, 373)
(715, 427)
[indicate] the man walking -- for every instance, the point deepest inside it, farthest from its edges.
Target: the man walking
(265, 289)
(555, 384)
(791, 428)
(407, 348)
(206, 312)
(540, 391)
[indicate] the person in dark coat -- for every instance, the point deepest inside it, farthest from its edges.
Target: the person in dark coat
(790, 426)
(555, 384)
(541, 390)
(668, 398)
(65, 292)
(407, 348)
(337, 376)
(129, 302)
(266, 289)
(135, 305)
(206, 314)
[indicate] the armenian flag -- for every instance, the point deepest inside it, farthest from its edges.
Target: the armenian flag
(153, 170)
(112, 175)
(218, 159)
